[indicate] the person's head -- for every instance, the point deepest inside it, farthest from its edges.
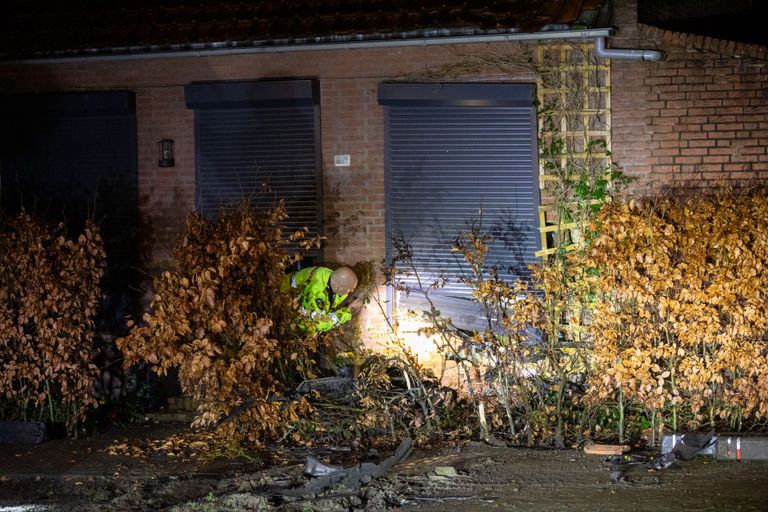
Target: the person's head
(343, 281)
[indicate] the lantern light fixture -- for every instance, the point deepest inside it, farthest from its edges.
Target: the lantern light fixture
(166, 153)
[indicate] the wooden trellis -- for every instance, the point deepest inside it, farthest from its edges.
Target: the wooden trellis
(574, 87)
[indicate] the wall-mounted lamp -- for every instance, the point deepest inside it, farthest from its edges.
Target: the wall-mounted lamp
(166, 153)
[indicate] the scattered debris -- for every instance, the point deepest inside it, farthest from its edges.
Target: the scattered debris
(606, 449)
(698, 442)
(687, 447)
(446, 471)
(316, 468)
(351, 478)
(488, 478)
(330, 388)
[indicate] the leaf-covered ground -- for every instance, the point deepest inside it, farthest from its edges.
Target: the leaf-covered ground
(82, 475)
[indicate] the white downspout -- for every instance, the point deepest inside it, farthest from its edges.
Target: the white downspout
(623, 53)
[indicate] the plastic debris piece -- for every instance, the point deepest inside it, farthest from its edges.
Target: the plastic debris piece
(316, 468)
(352, 478)
(446, 471)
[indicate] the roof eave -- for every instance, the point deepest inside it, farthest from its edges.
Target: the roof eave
(376, 40)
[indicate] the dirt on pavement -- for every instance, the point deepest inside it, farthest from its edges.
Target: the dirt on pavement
(77, 475)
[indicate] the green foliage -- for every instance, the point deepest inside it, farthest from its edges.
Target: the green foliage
(583, 178)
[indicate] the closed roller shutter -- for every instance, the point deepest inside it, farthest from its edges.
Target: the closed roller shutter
(72, 156)
(457, 153)
(259, 140)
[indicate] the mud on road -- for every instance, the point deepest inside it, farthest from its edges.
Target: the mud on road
(72, 475)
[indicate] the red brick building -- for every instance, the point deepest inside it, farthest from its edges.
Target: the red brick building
(698, 117)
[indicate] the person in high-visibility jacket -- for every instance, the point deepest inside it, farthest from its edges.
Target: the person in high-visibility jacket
(321, 292)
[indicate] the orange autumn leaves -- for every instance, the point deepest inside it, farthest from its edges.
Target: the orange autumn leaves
(220, 319)
(679, 314)
(49, 296)
(675, 315)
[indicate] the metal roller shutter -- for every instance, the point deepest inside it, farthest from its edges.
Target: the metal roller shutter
(457, 153)
(255, 134)
(72, 156)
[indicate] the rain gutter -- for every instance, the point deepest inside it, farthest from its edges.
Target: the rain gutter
(226, 48)
(624, 53)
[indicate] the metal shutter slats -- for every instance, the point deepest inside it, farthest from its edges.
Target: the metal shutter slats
(73, 156)
(241, 149)
(251, 133)
(444, 164)
(77, 161)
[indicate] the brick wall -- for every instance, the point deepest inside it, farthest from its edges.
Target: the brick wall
(699, 117)
(351, 123)
(166, 194)
(696, 120)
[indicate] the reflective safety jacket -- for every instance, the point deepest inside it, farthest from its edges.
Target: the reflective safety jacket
(319, 305)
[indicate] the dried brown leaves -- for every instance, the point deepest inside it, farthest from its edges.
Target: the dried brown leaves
(220, 318)
(49, 296)
(680, 315)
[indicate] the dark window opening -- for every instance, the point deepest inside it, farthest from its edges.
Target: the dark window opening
(72, 156)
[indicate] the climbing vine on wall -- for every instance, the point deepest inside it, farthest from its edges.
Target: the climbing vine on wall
(575, 167)
(577, 177)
